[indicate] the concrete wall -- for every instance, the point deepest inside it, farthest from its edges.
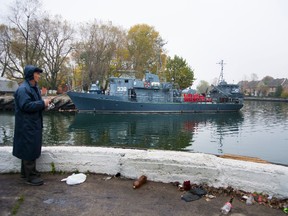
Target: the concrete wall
(161, 166)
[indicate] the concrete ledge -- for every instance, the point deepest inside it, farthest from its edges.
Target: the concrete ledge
(161, 166)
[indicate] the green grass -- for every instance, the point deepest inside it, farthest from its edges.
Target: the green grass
(16, 207)
(53, 168)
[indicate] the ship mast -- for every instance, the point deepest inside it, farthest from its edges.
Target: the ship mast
(221, 78)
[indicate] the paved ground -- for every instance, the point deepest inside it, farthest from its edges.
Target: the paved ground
(100, 195)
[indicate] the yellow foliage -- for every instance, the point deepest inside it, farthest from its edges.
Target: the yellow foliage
(77, 76)
(284, 93)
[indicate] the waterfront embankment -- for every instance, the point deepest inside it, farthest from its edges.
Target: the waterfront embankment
(160, 166)
(61, 102)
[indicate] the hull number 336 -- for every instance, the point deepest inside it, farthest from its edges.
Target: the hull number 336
(121, 89)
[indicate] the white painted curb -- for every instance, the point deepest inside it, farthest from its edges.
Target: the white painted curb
(161, 166)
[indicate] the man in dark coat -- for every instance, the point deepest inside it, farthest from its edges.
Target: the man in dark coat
(28, 124)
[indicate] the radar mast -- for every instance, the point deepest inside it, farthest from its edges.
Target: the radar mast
(221, 77)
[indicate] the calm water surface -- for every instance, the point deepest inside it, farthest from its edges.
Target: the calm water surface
(258, 130)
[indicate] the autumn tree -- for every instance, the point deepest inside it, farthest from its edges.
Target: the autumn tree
(284, 93)
(145, 47)
(203, 86)
(178, 71)
(99, 51)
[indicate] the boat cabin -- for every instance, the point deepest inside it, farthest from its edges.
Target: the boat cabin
(147, 90)
(224, 92)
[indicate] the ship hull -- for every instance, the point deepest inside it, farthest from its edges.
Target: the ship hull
(86, 102)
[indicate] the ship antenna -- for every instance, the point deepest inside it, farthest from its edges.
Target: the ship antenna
(221, 74)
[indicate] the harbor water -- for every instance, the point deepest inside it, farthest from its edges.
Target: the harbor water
(258, 130)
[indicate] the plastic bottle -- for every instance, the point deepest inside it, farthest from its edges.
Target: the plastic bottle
(250, 200)
(227, 207)
(141, 180)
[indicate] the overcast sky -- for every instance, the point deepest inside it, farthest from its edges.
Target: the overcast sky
(251, 36)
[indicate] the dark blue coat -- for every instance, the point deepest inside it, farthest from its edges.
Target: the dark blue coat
(28, 120)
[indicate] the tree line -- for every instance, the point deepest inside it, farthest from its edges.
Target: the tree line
(78, 55)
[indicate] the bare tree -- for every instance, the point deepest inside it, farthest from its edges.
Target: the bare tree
(254, 77)
(23, 37)
(4, 49)
(56, 40)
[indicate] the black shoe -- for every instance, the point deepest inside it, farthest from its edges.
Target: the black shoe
(35, 173)
(35, 182)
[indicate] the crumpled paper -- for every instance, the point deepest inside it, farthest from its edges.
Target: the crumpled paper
(75, 179)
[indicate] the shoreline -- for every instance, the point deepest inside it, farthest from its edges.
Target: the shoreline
(268, 99)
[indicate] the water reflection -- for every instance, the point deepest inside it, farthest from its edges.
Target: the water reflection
(148, 131)
(259, 130)
(6, 128)
(55, 128)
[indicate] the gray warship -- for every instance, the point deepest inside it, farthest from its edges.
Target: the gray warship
(126, 94)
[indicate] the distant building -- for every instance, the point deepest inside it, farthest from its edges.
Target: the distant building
(261, 88)
(7, 87)
(275, 83)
